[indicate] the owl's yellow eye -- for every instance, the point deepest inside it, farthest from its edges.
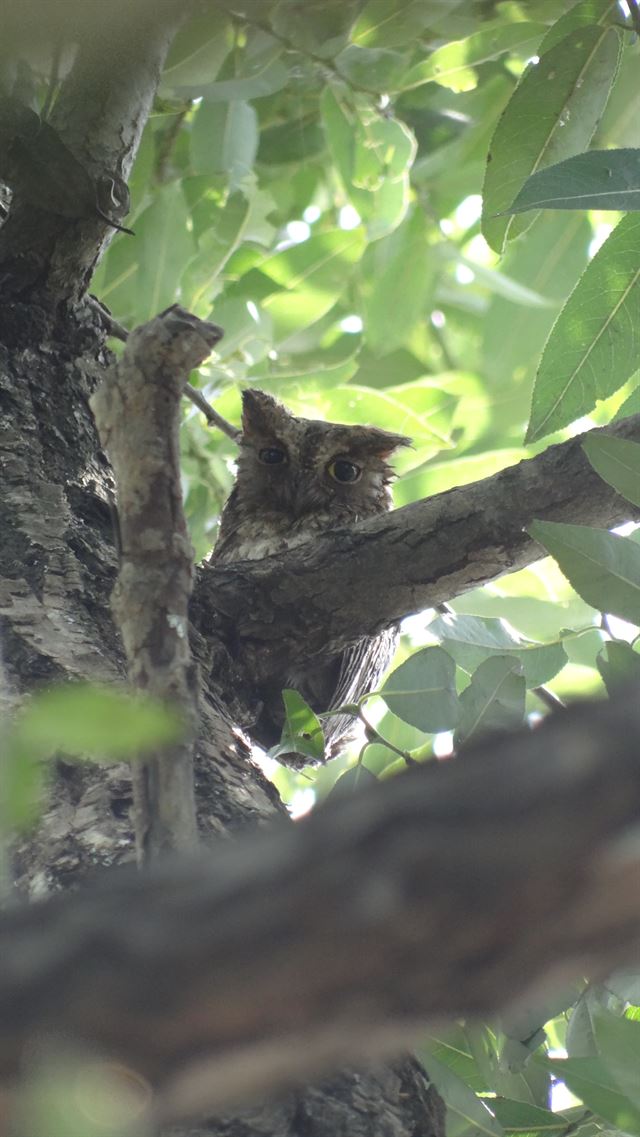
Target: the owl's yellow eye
(272, 456)
(341, 470)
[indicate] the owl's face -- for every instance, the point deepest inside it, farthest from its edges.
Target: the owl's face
(297, 467)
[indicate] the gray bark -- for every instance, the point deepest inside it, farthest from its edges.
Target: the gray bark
(57, 558)
(262, 617)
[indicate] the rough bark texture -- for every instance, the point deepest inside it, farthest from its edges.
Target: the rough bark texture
(431, 895)
(261, 617)
(58, 563)
(137, 409)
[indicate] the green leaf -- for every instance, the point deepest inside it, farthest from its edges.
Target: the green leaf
(552, 113)
(465, 1112)
(625, 984)
(592, 349)
(376, 68)
(221, 233)
(549, 261)
(494, 699)
(22, 780)
(89, 721)
(617, 461)
(631, 406)
(619, 665)
(164, 244)
(224, 140)
(450, 1046)
(579, 1039)
(198, 50)
(599, 179)
(618, 1040)
(352, 781)
(302, 730)
(266, 80)
(452, 65)
(525, 1120)
(580, 15)
(473, 639)
(390, 23)
(591, 1081)
(603, 567)
(422, 691)
(373, 155)
(398, 277)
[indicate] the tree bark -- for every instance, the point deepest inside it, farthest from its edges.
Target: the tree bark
(58, 562)
(263, 616)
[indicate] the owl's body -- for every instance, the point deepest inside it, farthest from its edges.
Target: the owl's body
(298, 478)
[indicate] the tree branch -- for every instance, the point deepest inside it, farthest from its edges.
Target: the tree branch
(432, 894)
(354, 582)
(137, 413)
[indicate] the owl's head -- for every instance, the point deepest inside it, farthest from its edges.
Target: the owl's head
(299, 467)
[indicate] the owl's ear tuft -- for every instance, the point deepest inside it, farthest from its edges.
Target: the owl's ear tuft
(261, 413)
(383, 443)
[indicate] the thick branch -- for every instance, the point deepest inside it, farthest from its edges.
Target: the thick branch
(453, 889)
(137, 412)
(71, 171)
(356, 581)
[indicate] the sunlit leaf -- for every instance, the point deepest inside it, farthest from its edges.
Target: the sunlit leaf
(198, 50)
(552, 113)
(599, 179)
(494, 699)
(603, 567)
(519, 1117)
(224, 140)
(87, 721)
(591, 1081)
(617, 460)
(352, 781)
(592, 349)
(618, 1041)
(164, 244)
(465, 1111)
(422, 691)
(473, 639)
(452, 65)
(399, 278)
(302, 730)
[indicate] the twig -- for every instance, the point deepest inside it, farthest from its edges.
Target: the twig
(118, 330)
(546, 696)
(211, 415)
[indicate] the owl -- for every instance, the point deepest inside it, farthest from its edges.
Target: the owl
(297, 478)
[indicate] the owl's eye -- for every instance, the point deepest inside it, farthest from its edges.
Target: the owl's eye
(342, 470)
(272, 456)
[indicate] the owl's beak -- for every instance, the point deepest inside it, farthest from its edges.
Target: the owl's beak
(302, 498)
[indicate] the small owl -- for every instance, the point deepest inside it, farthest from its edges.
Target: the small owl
(297, 478)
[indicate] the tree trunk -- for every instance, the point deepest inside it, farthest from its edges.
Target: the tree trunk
(58, 561)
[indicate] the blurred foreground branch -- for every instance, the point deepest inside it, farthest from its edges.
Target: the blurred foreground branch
(454, 889)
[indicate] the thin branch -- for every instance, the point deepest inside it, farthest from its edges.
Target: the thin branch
(453, 889)
(118, 330)
(211, 414)
(137, 413)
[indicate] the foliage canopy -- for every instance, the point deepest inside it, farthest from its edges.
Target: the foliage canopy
(407, 213)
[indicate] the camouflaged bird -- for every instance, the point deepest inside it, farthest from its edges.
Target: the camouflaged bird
(297, 478)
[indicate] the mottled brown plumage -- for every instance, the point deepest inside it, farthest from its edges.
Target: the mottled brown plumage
(297, 478)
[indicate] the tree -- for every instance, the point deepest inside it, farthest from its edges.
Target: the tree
(309, 177)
